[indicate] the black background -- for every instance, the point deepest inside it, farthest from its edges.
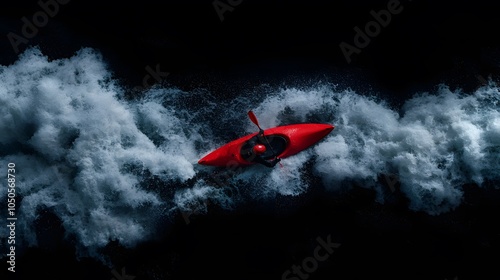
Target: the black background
(427, 43)
(452, 42)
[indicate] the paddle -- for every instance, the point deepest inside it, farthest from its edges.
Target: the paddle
(253, 118)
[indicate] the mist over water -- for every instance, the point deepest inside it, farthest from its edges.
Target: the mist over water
(89, 155)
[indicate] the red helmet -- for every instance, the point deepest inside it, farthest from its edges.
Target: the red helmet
(259, 149)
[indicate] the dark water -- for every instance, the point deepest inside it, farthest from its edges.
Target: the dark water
(106, 108)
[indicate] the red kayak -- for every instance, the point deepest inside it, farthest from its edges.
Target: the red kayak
(281, 141)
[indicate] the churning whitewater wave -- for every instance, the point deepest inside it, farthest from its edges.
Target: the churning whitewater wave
(110, 167)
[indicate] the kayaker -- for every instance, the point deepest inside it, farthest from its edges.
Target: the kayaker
(259, 149)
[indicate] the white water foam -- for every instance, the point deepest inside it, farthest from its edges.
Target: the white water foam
(440, 142)
(85, 152)
(79, 149)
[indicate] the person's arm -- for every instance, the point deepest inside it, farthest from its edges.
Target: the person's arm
(261, 138)
(261, 132)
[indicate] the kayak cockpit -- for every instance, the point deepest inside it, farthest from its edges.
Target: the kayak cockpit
(275, 145)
